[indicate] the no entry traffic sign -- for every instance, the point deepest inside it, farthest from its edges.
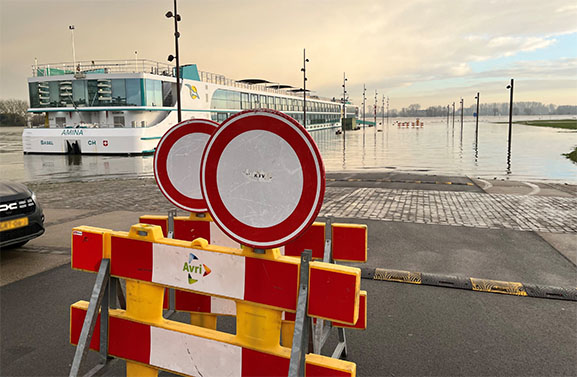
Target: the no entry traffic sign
(177, 163)
(263, 178)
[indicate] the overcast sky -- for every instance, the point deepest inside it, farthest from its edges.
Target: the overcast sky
(431, 52)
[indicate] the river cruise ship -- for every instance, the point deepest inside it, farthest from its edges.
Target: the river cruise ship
(124, 107)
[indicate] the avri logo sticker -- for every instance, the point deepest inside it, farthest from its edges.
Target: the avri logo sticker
(195, 269)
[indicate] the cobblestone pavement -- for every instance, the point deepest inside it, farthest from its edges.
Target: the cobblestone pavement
(455, 208)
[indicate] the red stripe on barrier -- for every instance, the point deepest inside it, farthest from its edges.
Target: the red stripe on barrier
(362, 321)
(271, 283)
(131, 259)
(349, 243)
(259, 364)
(189, 230)
(87, 250)
(191, 302)
(332, 295)
(312, 370)
(129, 340)
(76, 321)
(312, 239)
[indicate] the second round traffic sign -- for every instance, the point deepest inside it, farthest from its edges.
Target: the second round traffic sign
(177, 163)
(263, 178)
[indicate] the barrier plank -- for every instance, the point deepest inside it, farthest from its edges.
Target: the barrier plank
(268, 279)
(191, 350)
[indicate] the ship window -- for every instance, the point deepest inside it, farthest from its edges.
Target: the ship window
(167, 98)
(54, 90)
(60, 121)
(133, 92)
(270, 102)
(118, 121)
(118, 92)
(33, 94)
(79, 92)
(244, 101)
(153, 92)
(263, 103)
(254, 101)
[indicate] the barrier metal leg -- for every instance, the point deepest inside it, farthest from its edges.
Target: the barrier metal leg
(171, 294)
(300, 343)
(341, 348)
(98, 293)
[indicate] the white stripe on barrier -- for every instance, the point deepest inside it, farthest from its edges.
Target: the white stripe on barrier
(199, 270)
(222, 306)
(193, 355)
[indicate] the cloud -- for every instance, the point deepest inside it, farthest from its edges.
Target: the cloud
(384, 45)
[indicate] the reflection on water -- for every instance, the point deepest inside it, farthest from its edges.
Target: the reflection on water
(440, 147)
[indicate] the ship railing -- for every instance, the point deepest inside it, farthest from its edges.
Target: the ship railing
(81, 68)
(102, 66)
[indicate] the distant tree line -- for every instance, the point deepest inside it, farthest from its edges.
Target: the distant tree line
(485, 109)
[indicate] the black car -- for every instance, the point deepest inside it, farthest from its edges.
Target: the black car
(21, 217)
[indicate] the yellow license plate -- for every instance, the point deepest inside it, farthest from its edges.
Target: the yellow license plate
(13, 224)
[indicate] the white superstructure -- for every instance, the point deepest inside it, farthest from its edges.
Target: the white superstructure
(124, 107)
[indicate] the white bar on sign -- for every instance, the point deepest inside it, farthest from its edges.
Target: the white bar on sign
(193, 355)
(198, 270)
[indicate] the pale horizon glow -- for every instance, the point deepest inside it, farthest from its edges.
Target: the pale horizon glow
(430, 52)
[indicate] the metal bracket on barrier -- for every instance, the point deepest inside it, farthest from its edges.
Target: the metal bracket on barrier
(302, 321)
(171, 293)
(322, 328)
(98, 300)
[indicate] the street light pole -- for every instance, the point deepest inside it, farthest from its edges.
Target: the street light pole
(364, 98)
(510, 87)
(71, 27)
(383, 114)
(304, 71)
(375, 110)
(477, 119)
(448, 115)
(453, 115)
(177, 18)
(387, 111)
(462, 103)
(344, 101)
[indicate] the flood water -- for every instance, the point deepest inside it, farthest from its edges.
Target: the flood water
(435, 148)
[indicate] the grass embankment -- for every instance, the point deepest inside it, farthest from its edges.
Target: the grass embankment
(568, 124)
(572, 155)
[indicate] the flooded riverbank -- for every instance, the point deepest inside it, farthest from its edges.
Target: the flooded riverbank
(435, 148)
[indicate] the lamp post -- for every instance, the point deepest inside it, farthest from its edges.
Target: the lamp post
(448, 115)
(387, 111)
(71, 28)
(375, 110)
(344, 101)
(462, 103)
(477, 120)
(304, 71)
(364, 98)
(383, 114)
(510, 87)
(177, 18)
(453, 115)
